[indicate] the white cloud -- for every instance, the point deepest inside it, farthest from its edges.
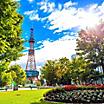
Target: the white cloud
(30, 1)
(64, 47)
(67, 16)
(29, 12)
(39, 42)
(69, 4)
(22, 61)
(47, 6)
(33, 15)
(63, 20)
(68, 36)
(59, 6)
(71, 17)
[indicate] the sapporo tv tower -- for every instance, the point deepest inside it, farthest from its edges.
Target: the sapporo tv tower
(31, 72)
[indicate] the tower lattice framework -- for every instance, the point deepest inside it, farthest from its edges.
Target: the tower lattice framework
(32, 73)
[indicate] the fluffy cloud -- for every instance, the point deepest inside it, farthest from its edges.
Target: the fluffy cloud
(22, 61)
(30, 1)
(33, 15)
(63, 20)
(54, 50)
(71, 17)
(29, 12)
(67, 16)
(69, 4)
(64, 47)
(47, 6)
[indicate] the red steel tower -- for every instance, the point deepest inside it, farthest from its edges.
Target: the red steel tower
(31, 72)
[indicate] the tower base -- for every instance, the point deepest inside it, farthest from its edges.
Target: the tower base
(32, 75)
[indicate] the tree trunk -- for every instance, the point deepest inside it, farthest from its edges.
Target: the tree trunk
(102, 64)
(103, 68)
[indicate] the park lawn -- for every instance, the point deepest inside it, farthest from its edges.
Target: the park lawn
(23, 97)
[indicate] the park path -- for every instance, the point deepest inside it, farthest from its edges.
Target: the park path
(19, 89)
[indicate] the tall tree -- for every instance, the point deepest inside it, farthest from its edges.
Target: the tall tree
(11, 43)
(49, 72)
(80, 70)
(18, 74)
(63, 71)
(90, 45)
(55, 71)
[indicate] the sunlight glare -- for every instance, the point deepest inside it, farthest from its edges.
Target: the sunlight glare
(90, 20)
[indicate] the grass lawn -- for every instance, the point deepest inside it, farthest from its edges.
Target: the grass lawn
(23, 97)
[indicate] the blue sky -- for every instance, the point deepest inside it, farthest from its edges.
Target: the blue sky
(56, 24)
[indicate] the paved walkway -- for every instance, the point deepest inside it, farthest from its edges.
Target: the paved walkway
(19, 89)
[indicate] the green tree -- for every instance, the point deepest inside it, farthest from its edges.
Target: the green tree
(55, 71)
(62, 68)
(78, 69)
(63, 71)
(49, 72)
(3, 68)
(6, 78)
(18, 74)
(90, 45)
(11, 43)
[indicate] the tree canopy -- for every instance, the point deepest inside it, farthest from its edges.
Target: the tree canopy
(90, 45)
(18, 74)
(11, 42)
(65, 71)
(14, 74)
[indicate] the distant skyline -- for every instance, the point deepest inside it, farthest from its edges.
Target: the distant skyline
(56, 24)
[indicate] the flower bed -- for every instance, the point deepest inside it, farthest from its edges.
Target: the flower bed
(70, 87)
(75, 96)
(83, 87)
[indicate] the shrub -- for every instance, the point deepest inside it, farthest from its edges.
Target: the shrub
(75, 96)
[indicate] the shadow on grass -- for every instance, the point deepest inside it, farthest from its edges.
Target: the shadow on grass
(43, 102)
